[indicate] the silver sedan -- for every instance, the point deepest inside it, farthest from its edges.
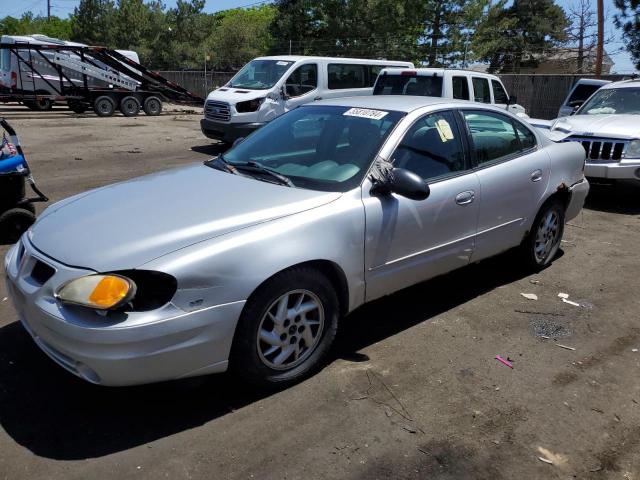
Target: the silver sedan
(249, 260)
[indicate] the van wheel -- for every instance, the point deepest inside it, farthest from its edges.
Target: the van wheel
(286, 329)
(13, 223)
(104, 106)
(152, 106)
(543, 241)
(129, 106)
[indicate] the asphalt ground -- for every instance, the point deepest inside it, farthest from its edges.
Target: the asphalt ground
(412, 390)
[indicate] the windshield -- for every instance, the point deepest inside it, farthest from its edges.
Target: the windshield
(260, 74)
(409, 85)
(612, 100)
(325, 148)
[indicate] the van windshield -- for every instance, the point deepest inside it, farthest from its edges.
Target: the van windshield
(260, 74)
(423, 86)
(612, 100)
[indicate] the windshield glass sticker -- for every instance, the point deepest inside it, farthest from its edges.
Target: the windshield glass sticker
(444, 129)
(365, 113)
(281, 62)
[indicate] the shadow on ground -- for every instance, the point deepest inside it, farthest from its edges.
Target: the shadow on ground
(615, 198)
(56, 415)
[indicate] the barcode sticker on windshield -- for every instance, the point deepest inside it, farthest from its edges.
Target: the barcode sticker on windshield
(365, 113)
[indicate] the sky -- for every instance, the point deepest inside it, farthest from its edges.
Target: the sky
(62, 8)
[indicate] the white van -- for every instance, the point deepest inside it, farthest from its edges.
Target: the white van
(447, 83)
(267, 87)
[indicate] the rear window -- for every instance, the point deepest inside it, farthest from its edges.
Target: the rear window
(344, 75)
(409, 85)
(481, 90)
(582, 92)
(460, 88)
(499, 95)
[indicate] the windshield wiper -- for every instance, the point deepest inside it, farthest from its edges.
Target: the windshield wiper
(219, 163)
(256, 167)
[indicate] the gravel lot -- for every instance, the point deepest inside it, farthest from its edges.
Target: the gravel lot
(412, 391)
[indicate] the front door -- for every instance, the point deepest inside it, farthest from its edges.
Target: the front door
(408, 241)
(301, 86)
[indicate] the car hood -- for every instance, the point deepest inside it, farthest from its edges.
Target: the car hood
(128, 224)
(611, 126)
(233, 95)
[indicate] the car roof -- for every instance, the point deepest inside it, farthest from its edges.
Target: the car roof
(295, 58)
(397, 103)
(437, 71)
(632, 83)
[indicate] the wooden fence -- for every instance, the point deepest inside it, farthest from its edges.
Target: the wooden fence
(541, 95)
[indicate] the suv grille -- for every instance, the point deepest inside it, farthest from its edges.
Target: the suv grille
(602, 149)
(217, 110)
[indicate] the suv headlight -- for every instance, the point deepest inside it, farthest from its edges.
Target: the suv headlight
(633, 149)
(249, 105)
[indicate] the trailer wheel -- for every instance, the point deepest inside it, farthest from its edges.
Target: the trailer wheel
(40, 105)
(153, 106)
(13, 223)
(104, 106)
(77, 107)
(129, 106)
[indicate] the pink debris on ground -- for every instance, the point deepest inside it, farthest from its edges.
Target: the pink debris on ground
(503, 361)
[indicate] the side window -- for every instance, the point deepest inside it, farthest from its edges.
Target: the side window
(493, 135)
(581, 93)
(432, 147)
(526, 137)
(304, 79)
(460, 88)
(499, 95)
(481, 90)
(374, 70)
(342, 76)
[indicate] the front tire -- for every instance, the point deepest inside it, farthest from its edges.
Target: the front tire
(543, 242)
(13, 223)
(286, 329)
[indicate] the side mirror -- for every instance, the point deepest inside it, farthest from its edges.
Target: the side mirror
(237, 141)
(408, 184)
(512, 100)
(283, 93)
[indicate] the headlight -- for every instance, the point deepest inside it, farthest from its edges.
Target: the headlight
(102, 292)
(633, 149)
(249, 105)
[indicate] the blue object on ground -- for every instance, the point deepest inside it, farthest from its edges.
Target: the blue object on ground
(12, 164)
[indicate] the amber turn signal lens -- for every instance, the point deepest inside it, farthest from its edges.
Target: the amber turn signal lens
(101, 292)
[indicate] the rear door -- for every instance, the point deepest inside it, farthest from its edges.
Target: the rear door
(513, 175)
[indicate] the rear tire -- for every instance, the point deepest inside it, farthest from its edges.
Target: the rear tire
(104, 106)
(77, 107)
(543, 242)
(40, 105)
(129, 106)
(153, 106)
(295, 311)
(13, 223)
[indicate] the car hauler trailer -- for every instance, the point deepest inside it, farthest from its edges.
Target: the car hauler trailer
(38, 71)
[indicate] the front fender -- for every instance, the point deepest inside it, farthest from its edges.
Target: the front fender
(229, 268)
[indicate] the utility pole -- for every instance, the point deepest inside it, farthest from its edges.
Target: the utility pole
(48, 9)
(600, 46)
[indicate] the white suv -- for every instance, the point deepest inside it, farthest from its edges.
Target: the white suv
(446, 83)
(608, 127)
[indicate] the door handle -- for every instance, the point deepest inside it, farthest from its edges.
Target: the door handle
(317, 98)
(536, 175)
(464, 198)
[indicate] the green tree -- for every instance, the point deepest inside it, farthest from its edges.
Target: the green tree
(519, 35)
(92, 22)
(29, 24)
(239, 36)
(628, 19)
